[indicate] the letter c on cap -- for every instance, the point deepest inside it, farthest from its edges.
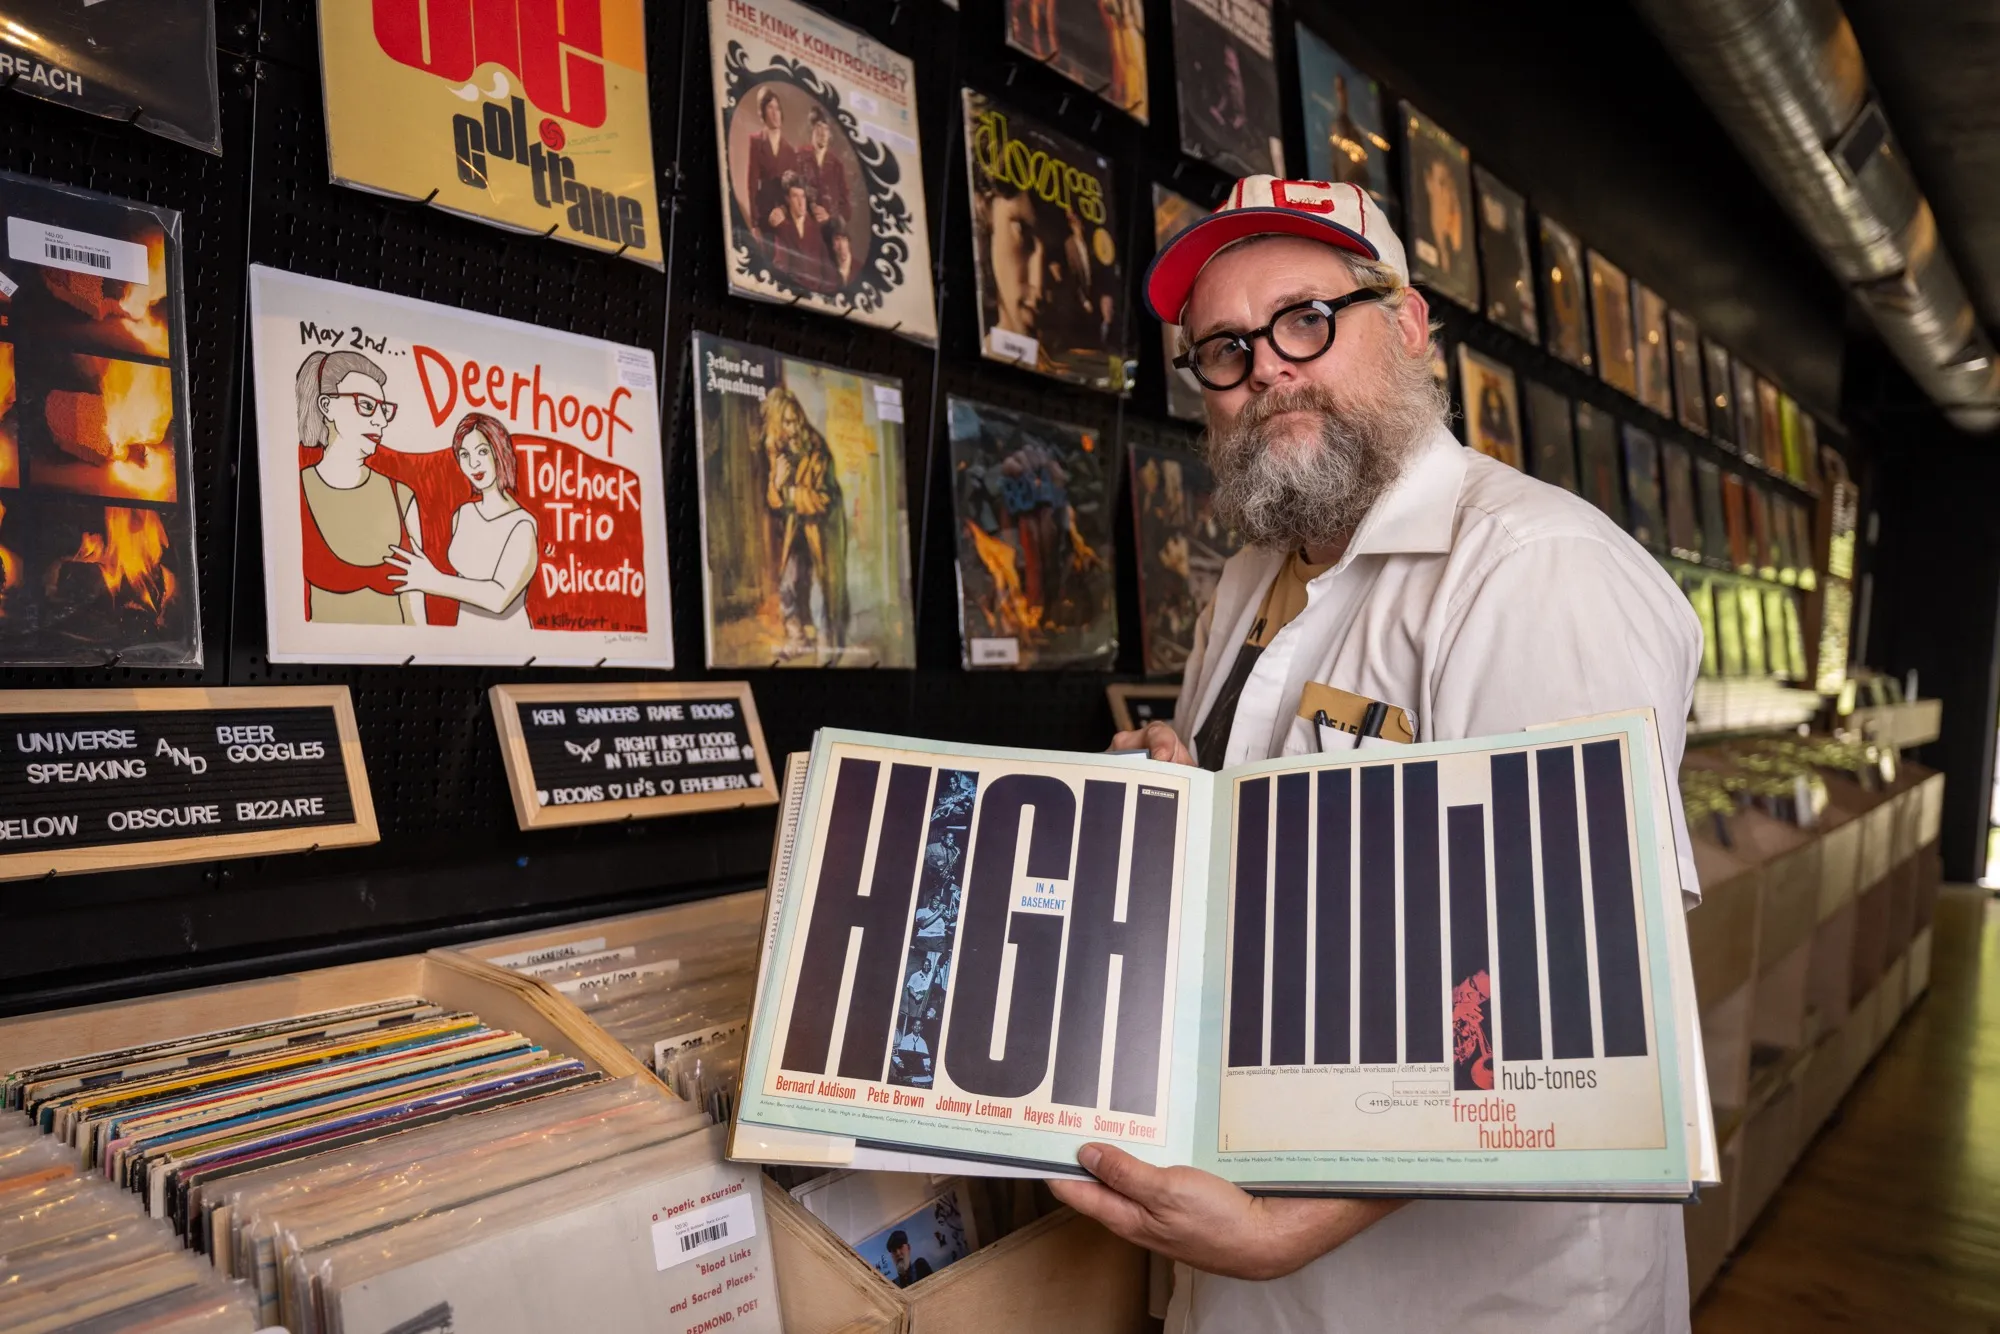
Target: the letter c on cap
(1281, 195)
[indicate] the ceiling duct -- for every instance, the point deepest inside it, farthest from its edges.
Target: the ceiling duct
(1785, 78)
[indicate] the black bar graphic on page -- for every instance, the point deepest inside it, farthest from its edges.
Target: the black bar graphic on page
(1622, 1008)
(1246, 962)
(1378, 915)
(1423, 932)
(1520, 981)
(1471, 980)
(1333, 930)
(1562, 899)
(1288, 920)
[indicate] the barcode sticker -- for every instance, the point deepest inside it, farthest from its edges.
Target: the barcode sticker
(80, 252)
(697, 1232)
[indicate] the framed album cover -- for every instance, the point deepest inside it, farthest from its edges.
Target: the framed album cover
(1721, 394)
(1508, 274)
(1173, 214)
(1565, 304)
(1677, 477)
(1642, 488)
(1708, 499)
(1749, 429)
(1438, 190)
(1099, 44)
(1228, 83)
(1551, 436)
(1611, 317)
(1347, 139)
(1690, 404)
(1492, 406)
(1597, 459)
(1656, 376)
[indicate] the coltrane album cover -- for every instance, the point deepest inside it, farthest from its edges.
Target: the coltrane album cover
(532, 117)
(805, 528)
(1035, 575)
(1172, 215)
(816, 138)
(1443, 255)
(97, 560)
(1228, 85)
(1052, 290)
(149, 62)
(441, 486)
(1100, 44)
(1182, 547)
(1347, 140)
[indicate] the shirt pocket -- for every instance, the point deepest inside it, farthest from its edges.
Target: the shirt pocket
(1300, 739)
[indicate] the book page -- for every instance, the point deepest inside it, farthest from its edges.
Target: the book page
(985, 953)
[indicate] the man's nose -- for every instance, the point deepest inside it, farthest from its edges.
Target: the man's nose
(1267, 368)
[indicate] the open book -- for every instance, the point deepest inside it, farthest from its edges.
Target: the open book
(1456, 968)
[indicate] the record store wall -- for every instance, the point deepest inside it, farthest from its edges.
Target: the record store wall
(1578, 109)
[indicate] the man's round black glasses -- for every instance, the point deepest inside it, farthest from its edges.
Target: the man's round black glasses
(1297, 333)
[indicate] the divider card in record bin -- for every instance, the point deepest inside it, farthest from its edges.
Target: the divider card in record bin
(590, 754)
(96, 780)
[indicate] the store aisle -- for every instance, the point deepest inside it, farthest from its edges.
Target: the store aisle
(1891, 1220)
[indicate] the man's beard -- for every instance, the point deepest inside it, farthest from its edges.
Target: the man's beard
(1278, 491)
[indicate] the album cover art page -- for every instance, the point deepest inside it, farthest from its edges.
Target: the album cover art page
(1443, 249)
(1503, 256)
(1347, 140)
(441, 486)
(1045, 238)
(804, 518)
(1035, 557)
(97, 556)
(1172, 215)
(1611, 315)
(1453, 959)
(1100, 44)
(1656, 385)
(822, 172)
(1648, 524)
(1567, 331)
(942, 974)
(1228, 82)
(1492, 407)
(536, 121)
(1721, 393)
(1551, 439)
(1182, 548)
(148, 62)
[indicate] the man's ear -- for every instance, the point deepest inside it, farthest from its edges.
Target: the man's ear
(1413, 321)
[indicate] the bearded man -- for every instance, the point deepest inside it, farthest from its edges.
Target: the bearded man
(1386, 565)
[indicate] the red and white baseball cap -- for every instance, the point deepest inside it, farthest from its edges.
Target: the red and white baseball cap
(1340, 215)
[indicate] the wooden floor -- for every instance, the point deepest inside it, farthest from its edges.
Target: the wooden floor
(1891, 1220)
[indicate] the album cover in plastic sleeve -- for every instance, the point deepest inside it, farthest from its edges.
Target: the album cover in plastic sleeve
(1503, 256)
(1611, 317)
(1098, 44)
(1749, 426)
(804, 516)
(1551, 437)
(442, 486)
(1443, 247)
(1737, 524)
(1172, 215)
(1677, 477)
(1647, 520)
(1690, 409)
(150, 63)
(1701, 595)
(1181, 549)
(822, 170)
(1763, 551)
(536, 123)
(1655, 363)
(1770, 430)
(1598, 460)
(1228, 85)
(1046, 245)
(1793, 465)
(1035, 554)
(1728, 629)
(1347, 136)
(1750, 615)
(1721, 394)
(1714, 527)
(97, 535)
(1565, 302)
(1492, 406)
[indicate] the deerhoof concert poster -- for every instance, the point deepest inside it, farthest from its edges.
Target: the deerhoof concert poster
(529, 116)
(1035, 574)
(441, 486)
(822, 173)
(97, 561)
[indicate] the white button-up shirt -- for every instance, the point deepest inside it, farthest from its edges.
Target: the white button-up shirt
(1483, 602)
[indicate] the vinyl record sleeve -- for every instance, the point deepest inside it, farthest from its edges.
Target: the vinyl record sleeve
(1677, 472)
(1728, 628)
(1098, 44)
(1598, 460)
(1565, 298)
(1347, 136)
(1708, 498)
(150, 63)
(804, 518)
(1509, 275)
(1690, 407)
(1750, 616)
(1770, 428)
(1741, 555)
(1701, 595)
(409, 516)
(1788, 435)
(1228, 85)
(822, 169)
(1551, 437)
(97, 531)
(1749, 428)
(1763, 551)
(1655, 364)
(539, 125)
(1721, 394)
(1181, 550)
(1492, 406)
(1035, 551)
(1443, 246)
(1172, 215)
(1611, 317)
(1046, 240)
(1648, 524)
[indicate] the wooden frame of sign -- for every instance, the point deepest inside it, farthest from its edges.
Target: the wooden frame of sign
(530, 812)
(1122, 694)
(200, 847)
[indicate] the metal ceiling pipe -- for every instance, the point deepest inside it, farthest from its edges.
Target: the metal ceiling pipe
(1786, 79)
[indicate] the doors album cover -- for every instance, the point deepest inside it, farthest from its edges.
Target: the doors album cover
(1228, 85)
(1492, 406)
(1035, 555)
(1565, 303)
(1098, 44)
(150, 63)
(537, 122)
(1444, 253)
(1347, 138)
(1046, 246)
(804, 515)
(1181, 549)
(1611, 316)
(1503, 256)
(441, 486)
(1172, 215)
(97, 547)
(822, 169)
